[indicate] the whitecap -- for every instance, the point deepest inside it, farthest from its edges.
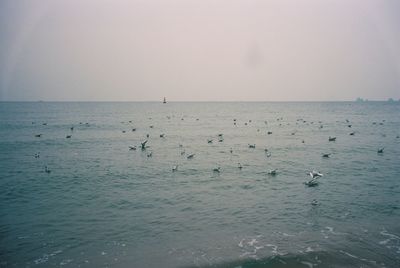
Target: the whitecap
(309, 264)
(64, 262)
(309, 249)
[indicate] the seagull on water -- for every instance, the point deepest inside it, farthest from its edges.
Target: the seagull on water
(46, 169)
(311, 183)
(217, 169)
(68, 136)
(315, 174)
(240, 166)
(175, 168)
(326, 155)
(132, 148)
(252, 146)
(190, 156)
(332, 138)
(380, 150)
(272, 172)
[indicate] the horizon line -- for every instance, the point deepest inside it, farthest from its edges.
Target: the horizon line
(200, 101)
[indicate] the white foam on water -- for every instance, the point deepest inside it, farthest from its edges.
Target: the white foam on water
(252, 242)
(66, 261)
(392, 236)
(46, 257)
(43, 259)
(309, 264)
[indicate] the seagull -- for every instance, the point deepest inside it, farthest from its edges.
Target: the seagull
(217, 169)
(68, 136)
(314, 202)
(162, 135)
(311, 183)
(37, 155)
(209, 141)
(380, 150)
(190, 156)
(315, 174)
(46, 169)
(326, 155)
(272, 172)
(38, 135)
(72, 128)
(240, 166)
(269, 132)
(133, 129)
(150, 154)
(352, 133)
(268, 154)
(132, 147)
(143, 145)
(220, 135)
(221, 139)
(332, 138)
(147, 135)
(175, 168)
(252, 146)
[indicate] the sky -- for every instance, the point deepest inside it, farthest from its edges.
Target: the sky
(204, 50)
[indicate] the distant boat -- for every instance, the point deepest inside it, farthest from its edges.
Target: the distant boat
(164, 101)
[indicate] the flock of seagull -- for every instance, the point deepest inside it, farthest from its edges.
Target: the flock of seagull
(315, 175)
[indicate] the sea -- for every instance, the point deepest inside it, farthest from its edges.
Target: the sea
(90, 200)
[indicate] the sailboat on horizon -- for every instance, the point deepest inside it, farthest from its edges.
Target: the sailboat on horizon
(165, 100)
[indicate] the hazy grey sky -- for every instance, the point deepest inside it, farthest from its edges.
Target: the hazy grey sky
(272, 50)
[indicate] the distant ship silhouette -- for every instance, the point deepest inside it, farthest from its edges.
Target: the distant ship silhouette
(165, 101)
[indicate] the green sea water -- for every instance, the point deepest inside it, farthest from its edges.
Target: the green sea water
(104, 205)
